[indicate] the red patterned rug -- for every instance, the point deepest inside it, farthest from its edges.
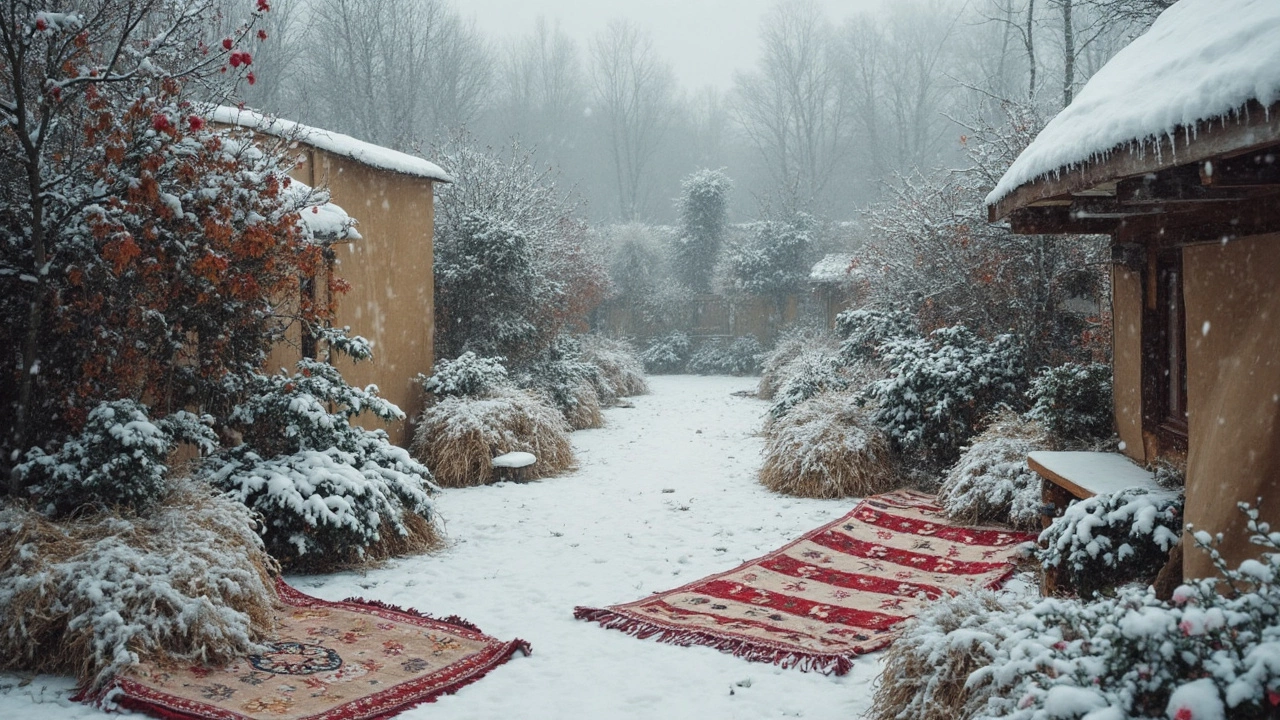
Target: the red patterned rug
(351, 660)
(838, 592)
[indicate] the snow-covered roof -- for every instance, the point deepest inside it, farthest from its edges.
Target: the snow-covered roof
(336, 143)
(832, 268)
(1202, 61)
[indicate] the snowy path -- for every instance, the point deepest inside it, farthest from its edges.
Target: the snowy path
(525, 555)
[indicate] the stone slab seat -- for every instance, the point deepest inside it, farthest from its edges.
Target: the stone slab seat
(510, 466)
(1067, 476)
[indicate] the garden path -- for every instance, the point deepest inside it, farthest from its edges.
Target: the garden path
(665, 494)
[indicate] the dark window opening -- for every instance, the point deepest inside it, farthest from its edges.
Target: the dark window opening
(1171, 372)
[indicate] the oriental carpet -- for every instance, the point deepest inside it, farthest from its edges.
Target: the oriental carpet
(839, 591)
(351, 660)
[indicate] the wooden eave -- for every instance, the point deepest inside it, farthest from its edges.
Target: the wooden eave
(1218, 175)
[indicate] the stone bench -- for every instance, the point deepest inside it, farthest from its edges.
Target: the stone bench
(1078, 475)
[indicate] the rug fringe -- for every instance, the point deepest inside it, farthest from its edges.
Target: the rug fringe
(450, 620)
(827, 664)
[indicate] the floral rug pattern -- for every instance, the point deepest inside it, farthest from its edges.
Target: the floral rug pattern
(350, 660)
(839, 591)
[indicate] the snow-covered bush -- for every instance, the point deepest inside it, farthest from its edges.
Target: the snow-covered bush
(927, 669)
(567, 381)
(621, 374)
(939, 387)
(117, 460)
(827, 447)
(459, 436)
(667, 354)
(717, 357)
(467, 374)
(1106, 540)
(1073, 401)
(187, 581)
(809, 374)
(775, 260)
(864, 330)
(1212, 652)
(991, 481)
(789, 345)
(330, 492)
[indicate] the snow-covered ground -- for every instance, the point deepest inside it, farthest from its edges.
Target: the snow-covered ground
(666, 493)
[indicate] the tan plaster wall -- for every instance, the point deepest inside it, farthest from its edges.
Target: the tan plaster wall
(1233, 389)
(1126, 313)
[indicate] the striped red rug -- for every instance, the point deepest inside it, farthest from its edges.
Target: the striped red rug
(838, 592)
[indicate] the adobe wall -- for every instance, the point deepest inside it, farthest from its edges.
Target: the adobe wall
(1232, 294)
(390, 273)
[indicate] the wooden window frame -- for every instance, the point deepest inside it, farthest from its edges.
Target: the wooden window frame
(1165, 352)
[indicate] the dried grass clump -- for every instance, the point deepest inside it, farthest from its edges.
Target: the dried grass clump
(621, 372)
(189, 582)
(790, 345)
(458, 437)
(827, 447)
(991, 481)
(584, 412)
(927, 668)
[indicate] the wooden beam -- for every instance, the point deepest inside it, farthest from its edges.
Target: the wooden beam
(1176, 185)
(1257, 169)
(1060, 220)
(1254, 128)
(1211, 223)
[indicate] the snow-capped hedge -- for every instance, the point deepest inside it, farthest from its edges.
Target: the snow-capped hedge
(1073, 401)
(741, 356)
(459, 436)
(939, 387)
(330, 491)
(827, 447)
(468, 374)
(1110, 539)
(809, 374)
(621, 373)
(789, 345)
(864, 330)
(991, 481)
(187, 581)
(667, 354)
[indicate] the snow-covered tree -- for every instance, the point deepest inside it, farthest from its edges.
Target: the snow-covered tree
(703, 204)
(775, 259)
(142, 253)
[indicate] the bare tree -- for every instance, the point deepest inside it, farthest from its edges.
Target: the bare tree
(794, 108)
(541, 89)
(634, 94)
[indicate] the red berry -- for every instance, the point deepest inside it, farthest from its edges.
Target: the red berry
(160, 122)
(226, 43)
(1184, 713)
(196, 122)
(235, 60)
(263, 6)
(262, 34)
(41, 25)
(251, 78)
(246, 58)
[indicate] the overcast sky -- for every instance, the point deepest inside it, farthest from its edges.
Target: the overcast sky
(704, 40)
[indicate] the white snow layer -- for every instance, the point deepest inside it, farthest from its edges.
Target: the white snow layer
(832, 268)
(1202, 60)
(336, 143)
(666, 494)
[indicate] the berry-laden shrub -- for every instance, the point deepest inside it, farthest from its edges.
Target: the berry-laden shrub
(1073, 402)
(991, 481)
(1212, 652)
(715, 357)
(330, 492)
(667, 354)
(466, 375)
(117, 460)
(939, 387)
(1106, 540)
(865, 330)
